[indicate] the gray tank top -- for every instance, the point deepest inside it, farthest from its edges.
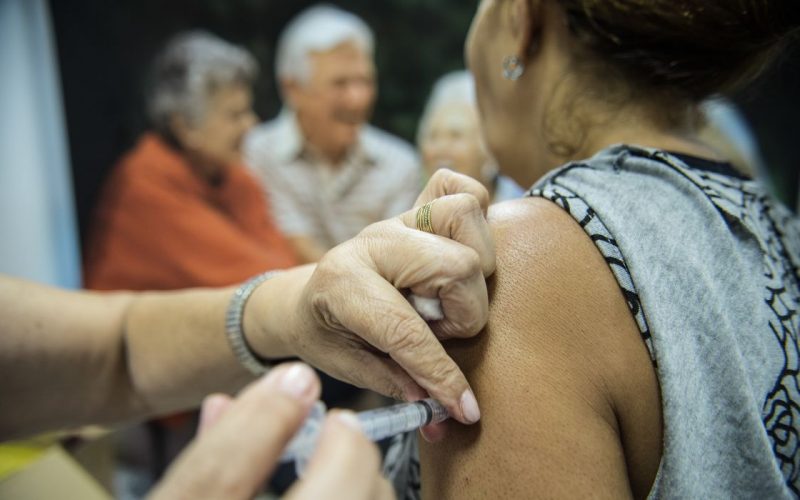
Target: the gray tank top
(708, 264)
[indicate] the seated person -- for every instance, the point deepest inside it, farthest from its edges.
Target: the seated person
(328, 171)
(180, 210)
(449, 136)
(643, 330)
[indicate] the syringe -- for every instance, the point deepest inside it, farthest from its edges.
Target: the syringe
(377, 424)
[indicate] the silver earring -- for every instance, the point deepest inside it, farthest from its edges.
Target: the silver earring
(513, 68)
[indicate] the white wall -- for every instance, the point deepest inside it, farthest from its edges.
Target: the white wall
(38, 233)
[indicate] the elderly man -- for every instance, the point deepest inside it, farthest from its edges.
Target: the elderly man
(328, 173)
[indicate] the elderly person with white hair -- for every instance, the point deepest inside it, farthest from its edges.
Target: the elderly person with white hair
(328, 172)
(449, 136)
(179, 210)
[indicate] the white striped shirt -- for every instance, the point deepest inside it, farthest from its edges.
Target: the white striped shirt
(380, 178)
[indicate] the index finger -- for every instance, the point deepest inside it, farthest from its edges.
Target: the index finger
(444, 182)
(401, 333)
(461, 218)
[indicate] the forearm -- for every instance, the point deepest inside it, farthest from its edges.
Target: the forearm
(69, 359)
(178, 350)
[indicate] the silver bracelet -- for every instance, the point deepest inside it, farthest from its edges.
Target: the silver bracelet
(234, 329)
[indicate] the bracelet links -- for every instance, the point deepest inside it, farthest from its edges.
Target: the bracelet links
(234, 328)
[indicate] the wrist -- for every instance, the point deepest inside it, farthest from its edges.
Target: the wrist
(270, 317)
(235, 324)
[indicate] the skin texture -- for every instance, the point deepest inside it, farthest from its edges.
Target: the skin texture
(216, 140)
(74, 358)
(345, 289)
(570, 397)
(68, 359)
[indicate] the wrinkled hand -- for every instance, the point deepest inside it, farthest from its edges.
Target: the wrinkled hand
(241, 440)
(356, 322)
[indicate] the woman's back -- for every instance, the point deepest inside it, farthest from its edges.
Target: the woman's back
(707, 267)
(642, 337)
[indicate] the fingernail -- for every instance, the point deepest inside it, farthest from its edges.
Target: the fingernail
(349, 419)
(295, 381)
(426, 435)
(469, 407)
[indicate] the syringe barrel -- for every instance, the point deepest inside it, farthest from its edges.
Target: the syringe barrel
(384, 422)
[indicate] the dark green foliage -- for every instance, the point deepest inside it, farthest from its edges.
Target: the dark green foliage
(417, 41)
(105, 47)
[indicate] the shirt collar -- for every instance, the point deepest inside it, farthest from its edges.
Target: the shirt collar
(290, 145)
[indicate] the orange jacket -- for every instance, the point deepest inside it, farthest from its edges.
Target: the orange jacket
(159, 226)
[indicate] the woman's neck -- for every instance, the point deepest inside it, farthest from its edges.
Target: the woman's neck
(673, 141)
(637, 127)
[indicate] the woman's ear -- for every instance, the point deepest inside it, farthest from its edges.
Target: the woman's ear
(526, 26)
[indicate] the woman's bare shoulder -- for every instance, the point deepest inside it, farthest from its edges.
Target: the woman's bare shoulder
(553, 372)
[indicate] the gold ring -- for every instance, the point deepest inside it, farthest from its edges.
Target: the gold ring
(424, 217)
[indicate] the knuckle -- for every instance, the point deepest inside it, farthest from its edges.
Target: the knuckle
(463, 184)
(376, 229)
(443, 374)
(469, 204)
(442, 175)
(472, 261)
(450, 330)
(465, 264)
(330, 266)
(404, 334)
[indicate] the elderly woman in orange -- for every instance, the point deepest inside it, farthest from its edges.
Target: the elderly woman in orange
(449, 136)
(178, 210)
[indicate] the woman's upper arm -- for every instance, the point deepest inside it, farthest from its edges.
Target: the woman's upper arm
(569, 397)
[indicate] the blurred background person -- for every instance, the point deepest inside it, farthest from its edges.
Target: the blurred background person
(449, 135)
(180, 211)
(328, 172)
(726, 130)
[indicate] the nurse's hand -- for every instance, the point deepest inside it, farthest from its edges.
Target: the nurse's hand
(241, 440)
(352, 320)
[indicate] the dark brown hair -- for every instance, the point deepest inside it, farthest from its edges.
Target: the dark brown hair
(691, 48)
